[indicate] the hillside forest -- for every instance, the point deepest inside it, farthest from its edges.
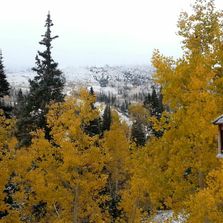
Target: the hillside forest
(64, 158)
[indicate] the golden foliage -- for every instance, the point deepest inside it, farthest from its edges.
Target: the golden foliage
(139, 112)
(64, 176)
(74, 177)
(206, 205)
(191, 90)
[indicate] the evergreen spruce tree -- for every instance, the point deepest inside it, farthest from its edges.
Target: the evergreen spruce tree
(154, 103)
(107, 119)
(4, 85)
(4, 89)
(138, 133)
(91, 91)
(161, 107)
(20, 100)
(23, 119)
(94, 126)
(147, 101)
(47, 86)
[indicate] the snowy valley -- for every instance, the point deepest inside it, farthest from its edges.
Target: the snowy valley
(114, 80)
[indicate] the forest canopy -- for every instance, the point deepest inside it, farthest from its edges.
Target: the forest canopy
(64, 159)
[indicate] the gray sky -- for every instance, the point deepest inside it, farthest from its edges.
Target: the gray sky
(92, 32)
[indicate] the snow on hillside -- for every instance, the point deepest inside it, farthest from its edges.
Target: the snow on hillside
(126, 76)
(19, 79)
(122, 84)
(124, 118)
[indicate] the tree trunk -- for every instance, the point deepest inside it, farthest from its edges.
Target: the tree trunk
(133, 214)
(116, 189)
(76, 193)
(201, 180)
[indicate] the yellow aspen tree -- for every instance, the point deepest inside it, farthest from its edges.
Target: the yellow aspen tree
(83, 159)
(139, 113)
(140, 119)
(147, 185)
(116, 146)
(61, 180)
(206, 205)
(135, 198)
(190, 87)
(7, 151)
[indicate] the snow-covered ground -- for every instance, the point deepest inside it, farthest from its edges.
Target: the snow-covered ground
(167, 217)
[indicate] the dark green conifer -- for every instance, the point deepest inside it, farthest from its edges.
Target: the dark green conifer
(4, 90)
(20, 103)
(23, 119)
(48, 84)
(94, 126)
(91, 91)
(154, 103)
(138, 133)
(46, 87)
(4, 85)
(107, 118)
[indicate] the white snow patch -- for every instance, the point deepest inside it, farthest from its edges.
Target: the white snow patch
(168, 216)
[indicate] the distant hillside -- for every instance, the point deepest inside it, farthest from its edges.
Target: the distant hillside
(125, 83)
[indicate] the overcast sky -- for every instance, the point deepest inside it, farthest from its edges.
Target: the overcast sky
(91, 32)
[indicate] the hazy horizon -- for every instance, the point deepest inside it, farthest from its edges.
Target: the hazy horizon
(91, 32)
